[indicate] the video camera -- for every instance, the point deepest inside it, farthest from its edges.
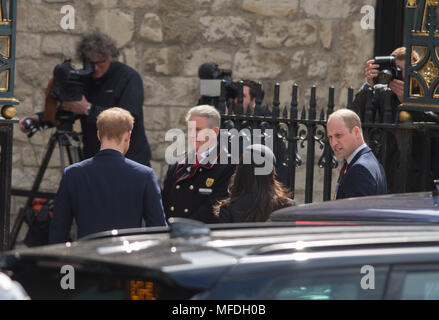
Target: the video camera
(388, 70)
(211, 77)
(32, 126)
(68, 82)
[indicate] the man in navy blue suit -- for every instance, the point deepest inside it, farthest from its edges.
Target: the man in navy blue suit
(362, 174)
(107, 191)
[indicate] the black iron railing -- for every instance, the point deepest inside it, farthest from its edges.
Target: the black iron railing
(393, 143)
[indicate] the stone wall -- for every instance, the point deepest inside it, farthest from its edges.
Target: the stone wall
(310, 42)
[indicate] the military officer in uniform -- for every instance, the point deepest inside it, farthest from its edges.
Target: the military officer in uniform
(194, 185)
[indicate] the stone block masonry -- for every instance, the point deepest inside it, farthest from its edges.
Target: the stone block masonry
(310, 42)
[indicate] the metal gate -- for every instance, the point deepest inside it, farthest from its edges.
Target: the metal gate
(409, 165)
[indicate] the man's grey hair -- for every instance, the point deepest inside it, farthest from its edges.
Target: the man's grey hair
(206, 111)
(96, 44)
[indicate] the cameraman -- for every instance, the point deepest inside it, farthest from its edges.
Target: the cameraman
(392, 165)
(249, 93)
(250, 90)
(396, 86)
(371, 72)
(112, 83)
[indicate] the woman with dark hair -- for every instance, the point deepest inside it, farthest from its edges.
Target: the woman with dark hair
(253, 196)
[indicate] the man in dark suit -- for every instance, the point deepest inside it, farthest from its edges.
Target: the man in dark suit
(192, 186)
(362, 174)
(107, 191)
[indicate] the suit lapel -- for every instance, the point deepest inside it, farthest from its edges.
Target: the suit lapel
(357, 156)
(366, 149)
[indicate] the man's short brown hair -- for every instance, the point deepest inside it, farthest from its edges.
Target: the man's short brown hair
(400, 53)
(254, 88)
(350, 118)
(113, 123)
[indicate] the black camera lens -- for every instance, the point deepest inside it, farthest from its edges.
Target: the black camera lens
(69, 82)
(28, 123)
(384, 77)
(31, 125)
(388, 70)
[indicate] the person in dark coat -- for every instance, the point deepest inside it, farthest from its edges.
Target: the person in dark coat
(372, 92)
(361, 174)
(107, 191)
(254, 193)
(192, 186)
(112, 83)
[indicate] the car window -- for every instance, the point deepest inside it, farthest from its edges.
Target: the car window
(327, 291)
(421, 286)
(319, 284)
(343, 284)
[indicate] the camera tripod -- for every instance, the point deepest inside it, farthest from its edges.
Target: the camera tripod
(67, 140)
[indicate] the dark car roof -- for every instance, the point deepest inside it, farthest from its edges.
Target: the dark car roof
(200, 258)
(195, 256)
(409, 207)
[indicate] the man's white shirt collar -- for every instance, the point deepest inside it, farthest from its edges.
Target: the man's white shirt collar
(355, 152)
(206, 153)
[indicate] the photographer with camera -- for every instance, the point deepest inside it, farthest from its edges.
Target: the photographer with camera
(396, 83)
(388, 73)
(250, 91)
(211, 77)
(374, 87)
(109, 83)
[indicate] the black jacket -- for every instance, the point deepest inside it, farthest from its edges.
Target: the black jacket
(103, 193)
(191, 191)
(364, 176)
(393, 164)
(120, 87)
(378, 111)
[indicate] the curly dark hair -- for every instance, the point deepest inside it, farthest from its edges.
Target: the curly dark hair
(96, 44)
